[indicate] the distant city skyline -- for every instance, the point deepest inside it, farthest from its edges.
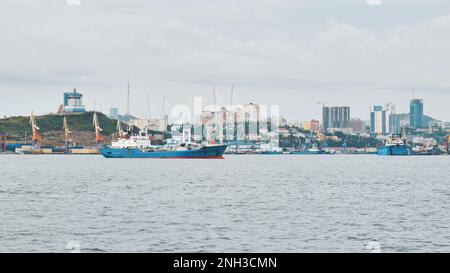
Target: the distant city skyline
(289, 53)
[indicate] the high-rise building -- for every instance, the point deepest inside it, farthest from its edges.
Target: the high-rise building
(336, 117)
(394, 124)
(114, 113)
(380, 119)
(377, 126)
(416, 117)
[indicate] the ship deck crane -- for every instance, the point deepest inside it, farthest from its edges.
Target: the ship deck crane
(120, 132)
(99, 138)
(68, 134)
(37, 139)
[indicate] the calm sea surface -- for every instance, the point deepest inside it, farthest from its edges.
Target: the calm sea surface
(299, 203)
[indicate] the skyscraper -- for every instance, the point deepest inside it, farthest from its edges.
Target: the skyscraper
(416, 117)
(380, 119)
(114, 113)
(336, 117)
(395, 126)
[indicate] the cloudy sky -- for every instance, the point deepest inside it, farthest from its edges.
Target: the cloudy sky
(293, 53)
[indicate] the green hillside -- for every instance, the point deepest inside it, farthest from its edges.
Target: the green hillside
(17, 126)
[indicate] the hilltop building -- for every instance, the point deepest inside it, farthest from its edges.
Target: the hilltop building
(113, 113)
(72, 103)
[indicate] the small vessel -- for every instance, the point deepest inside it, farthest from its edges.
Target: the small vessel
(273, 152)
(430, 150)
(314, 150)
(271, 148)
(395, 145)
(139, 146)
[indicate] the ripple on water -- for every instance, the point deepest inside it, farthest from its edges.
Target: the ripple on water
(242, 203)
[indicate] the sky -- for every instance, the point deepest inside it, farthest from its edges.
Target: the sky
(291, 53)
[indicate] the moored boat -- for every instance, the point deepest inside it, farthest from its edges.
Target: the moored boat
(139, 146)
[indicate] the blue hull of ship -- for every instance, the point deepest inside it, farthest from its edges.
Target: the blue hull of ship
(399, 150)
(213, 152)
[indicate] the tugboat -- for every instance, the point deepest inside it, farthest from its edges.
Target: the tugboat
(140, 146)
(395, 145)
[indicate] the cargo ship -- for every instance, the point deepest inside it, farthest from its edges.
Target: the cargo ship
(140, 146)
(395, 146)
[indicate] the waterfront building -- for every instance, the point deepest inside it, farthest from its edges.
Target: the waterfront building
(335, 117)
(73, 102)
(416, 117)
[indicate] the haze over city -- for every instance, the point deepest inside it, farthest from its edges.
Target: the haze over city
(290, 53)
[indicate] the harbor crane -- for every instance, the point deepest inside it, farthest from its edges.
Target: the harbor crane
(67, 133)
(119, 127)
(99, 138)
(37, 139)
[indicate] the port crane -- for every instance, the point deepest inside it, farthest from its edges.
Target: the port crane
(99, 138)
(37, 139)
(67, 133)
(119, 127)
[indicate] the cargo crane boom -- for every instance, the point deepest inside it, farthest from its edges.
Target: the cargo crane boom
(99, 138)
(67, 133)
(37, 139)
